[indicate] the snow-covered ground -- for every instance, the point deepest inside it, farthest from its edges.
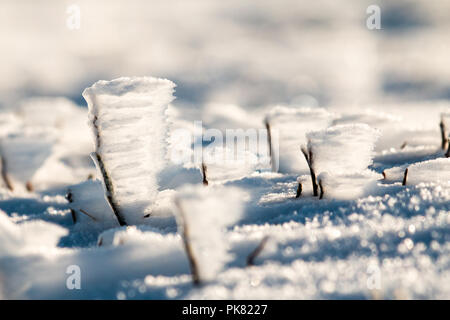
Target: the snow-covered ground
(366, 104)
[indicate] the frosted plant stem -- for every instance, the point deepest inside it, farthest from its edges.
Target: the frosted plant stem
(299, 190)
(107, 181)
(405, 177)
(89, 215)
(204, 174)
(110, 191)
(255, 253)
(443, 135)
(447, 154)
(309, 159)
(69, 197)
(403, 146)
(322, 190)
(29, 186)
(4, 173)
(269, 142)
(187, 246)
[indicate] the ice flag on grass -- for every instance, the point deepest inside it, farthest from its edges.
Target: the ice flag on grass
(22, 155)
(128, 120)
(437, 170)
(288, 127)
(90, 209)
(69, 162)
(224, 164)
(202, 215)
(445, 130)
(343, 149)
(389, 125)
(341, 155)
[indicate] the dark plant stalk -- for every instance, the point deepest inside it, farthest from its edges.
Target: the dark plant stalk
(447, 154)
(444, 139)
(405, 177)
(4, 173)
(299, 190)
(404, 144)
(69, 197)
(29, 186)
(90, 216)
(309, 159)
(322, 190)
(269, 142)
(255, 253)
(187, 246)
(108, 183)
(204, 174)
(110, 192)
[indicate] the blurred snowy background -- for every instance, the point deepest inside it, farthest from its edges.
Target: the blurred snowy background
(232, 62)
(233, 52)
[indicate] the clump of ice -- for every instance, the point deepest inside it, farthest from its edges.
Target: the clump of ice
(224, 164)
(24, 153)
(340, 157)
(288, 128)
(128, 120)
(28, 237)
(47, 112)
(437, 170)
(348, 186)
(394, 174)
(202, 215)
(387, 124)
(343, 149)
(49, 120)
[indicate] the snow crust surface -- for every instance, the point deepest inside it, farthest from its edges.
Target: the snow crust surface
(234, 64)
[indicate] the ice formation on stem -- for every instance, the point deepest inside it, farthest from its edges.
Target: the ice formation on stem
(222, 163)
(444, 127)
(339, 158)
(288, 126)
(436, 170)
(22, 154)
(202, 215)
(128, 120)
